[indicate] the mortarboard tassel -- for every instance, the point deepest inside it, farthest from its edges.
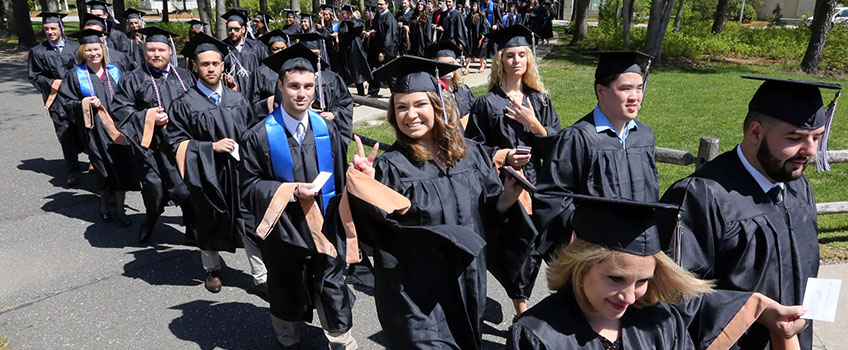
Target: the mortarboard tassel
(676, 253)
(320, 90)
(822, 163)
(441, 99)
(173, 51)
(645, 82)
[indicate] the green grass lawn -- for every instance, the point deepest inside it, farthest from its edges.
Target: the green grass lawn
(681, 105)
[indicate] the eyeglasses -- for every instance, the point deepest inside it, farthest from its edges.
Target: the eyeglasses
(231, 29)
(257, 21)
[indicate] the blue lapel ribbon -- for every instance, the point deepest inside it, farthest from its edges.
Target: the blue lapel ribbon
(82, 76)
(281, 160)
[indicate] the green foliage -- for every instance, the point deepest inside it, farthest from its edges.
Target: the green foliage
(696, 42)
(705, 9)
(177, 27)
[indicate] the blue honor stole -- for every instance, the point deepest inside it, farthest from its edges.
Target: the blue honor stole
(281, 159)
(85, 83)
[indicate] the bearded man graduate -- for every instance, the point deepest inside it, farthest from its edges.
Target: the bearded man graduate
(281, 157)
(749, 215)
(47, 65)
(244, 59)
(204, 125)
(140, 103)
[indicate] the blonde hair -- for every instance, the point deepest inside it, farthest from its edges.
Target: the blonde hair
(670, 284)
(81, 54)
(530, 79)
(447, 137)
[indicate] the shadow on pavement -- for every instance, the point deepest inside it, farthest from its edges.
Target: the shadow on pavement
(179, 267)
(234, 325)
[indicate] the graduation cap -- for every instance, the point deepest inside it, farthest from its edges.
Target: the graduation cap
(235, 15)
(97, 5)
(327, 7)
(92, 19)
(296, 56)
(347, 8)
(797, 102)
(620, 224)
(305, 15)
(88, 36)
(444, 48)
(290, 13)
(416, 74)
(514, 36)
(274, 36)
(52, 17)
(202, 42)
(264, 16)
(618, 62)
(313, 41)
(195, 22)
(133, 13)
(157, 35)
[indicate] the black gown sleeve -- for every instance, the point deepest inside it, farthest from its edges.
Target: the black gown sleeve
(562, 172)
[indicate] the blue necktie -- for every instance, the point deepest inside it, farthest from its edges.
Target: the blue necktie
(215, 98)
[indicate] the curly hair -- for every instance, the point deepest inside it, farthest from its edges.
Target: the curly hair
(670, 284)
(448, 137)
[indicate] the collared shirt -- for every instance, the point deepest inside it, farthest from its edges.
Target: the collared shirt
(291, 123)
(765, 184)
(240, 45)
(58, 47)
(602, 124)
(208, 93)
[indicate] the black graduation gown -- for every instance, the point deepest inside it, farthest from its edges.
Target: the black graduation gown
(536, 19)
(557, 322)
(296, 271)
(476, 32)
(292, 29)
(489, 126)
(211, 177)
(122, 60)
(136, 53)
(263, 83)
(385, 39)
(250, 58)
(586, 162)
(734, 234)
(136, 94)
(463, 97)
(509, 19)
(355, 68)
(338, 101)
(44, 65)
(118, 40)
(453, 27)
(430, 270)
(114, 163)
(420, 35)
(404, 18)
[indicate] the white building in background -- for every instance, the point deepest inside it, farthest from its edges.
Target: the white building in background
(173, 5)
(788, 8)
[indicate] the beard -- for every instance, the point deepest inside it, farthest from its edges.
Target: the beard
(159, 64)
(775, 168)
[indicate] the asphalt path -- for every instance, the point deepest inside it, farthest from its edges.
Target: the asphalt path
(68, 280)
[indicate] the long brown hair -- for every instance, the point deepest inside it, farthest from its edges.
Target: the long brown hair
(448, 138)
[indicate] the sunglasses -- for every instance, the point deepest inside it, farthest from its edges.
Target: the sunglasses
(231, 29)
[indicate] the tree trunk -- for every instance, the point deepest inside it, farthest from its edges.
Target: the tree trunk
(657, 26)
(627, 13)
(9, 10)
(49, 5)
(617, 12)
(316, 6)
(581, 21)
(26, 36)
(720, 15)
(677, 17)
(81, 9)
(295, 5)
(205, 11)
(221, 26)
(165, 18)
(118, 7)
(263, 6)
(818, 35)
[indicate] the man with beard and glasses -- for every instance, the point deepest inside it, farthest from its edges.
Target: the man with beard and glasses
(140, 103)
(749, 216)
(246, 55)
(116, 38)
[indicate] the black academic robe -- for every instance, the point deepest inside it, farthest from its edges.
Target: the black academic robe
(292, 29)
(250, 58)
(489, 125)
(430, 268)
(44, 65)
(734, 234)
(454, 30)
(536, 19)
(114, 163)
(118, 40)
(385, 39)
(297, 273)
(420, 35)
(161, 180)
(122, 60)
(403, 17)
(463, 97)
(211, 177)
(263, 83)
(136, 53)
(337, 100)
(509, 19)
(476, 33)
(557, 322)
(586, 162)
(355, 68)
